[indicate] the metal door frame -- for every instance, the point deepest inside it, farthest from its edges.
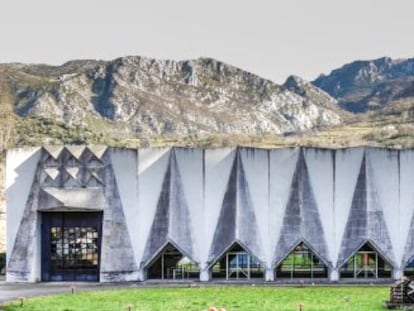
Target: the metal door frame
(364, 267)
(238, 269)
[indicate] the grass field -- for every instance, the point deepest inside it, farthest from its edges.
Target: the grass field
(246, 298)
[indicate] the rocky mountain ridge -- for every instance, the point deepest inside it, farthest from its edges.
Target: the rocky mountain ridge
(363, 86)
(147, 97)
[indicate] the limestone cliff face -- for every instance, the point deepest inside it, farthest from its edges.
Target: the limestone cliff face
(144, 96)
(363, 86)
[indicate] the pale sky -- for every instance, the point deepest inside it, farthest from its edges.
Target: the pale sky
(270, 38)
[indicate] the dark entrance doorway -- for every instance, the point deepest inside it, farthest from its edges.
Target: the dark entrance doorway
(71, 246)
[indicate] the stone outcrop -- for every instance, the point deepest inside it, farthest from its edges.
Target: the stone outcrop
(147, 97)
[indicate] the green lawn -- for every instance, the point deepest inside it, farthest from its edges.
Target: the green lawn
(243, 298)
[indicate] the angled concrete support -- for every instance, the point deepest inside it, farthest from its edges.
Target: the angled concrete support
(397, 274)
(205, 275)
(142, 275)
(269, 275)
(334, 275)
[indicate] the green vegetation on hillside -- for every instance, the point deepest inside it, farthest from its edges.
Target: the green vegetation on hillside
(368, 131)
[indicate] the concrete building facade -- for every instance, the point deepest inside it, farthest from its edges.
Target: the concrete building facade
(110, 214)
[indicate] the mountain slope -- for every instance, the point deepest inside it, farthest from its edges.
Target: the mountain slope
(312, 93)
(148, 97)
(369, 85)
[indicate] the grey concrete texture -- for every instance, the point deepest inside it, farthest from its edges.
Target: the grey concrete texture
(237, 210)
(73, 170)
(171, 223)
(205, 201)
(366, 222)
(302, 222)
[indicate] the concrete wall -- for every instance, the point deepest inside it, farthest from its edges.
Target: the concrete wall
(204, 201)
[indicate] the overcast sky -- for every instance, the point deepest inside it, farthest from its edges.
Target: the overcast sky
(271, 38)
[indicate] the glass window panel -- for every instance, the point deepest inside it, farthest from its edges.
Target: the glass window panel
(302, 263)
(73, 249)
(366, 263)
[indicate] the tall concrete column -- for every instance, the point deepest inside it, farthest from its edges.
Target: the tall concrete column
(205, 275)
(397, 273)
(334, 275)
(269, 275)
(142, 275)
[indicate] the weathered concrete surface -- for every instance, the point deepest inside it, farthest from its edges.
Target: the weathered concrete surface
(302, 221)
(22, 191)
(58, 175)
(171, 223)
(237, 210)
(117, 257)
(366, 221)
(204, 201)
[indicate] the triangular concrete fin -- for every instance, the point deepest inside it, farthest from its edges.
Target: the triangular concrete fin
(225, 232)
(118, 258)
(179, 228)
(357, 224)
(301, 219)
(247, 228)
(172, 220)
(364, 222)
(237, 220)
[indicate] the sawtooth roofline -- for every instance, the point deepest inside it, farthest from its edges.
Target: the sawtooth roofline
(203, 200)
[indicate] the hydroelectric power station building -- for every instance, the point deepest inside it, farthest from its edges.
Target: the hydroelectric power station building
(108, 214)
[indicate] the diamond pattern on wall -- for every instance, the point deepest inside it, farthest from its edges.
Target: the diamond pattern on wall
(52, 172)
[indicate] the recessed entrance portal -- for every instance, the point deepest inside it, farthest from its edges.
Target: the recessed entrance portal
(366, 263)
(237, 264)
(302, 263)
(71, 244)
(172, 264)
